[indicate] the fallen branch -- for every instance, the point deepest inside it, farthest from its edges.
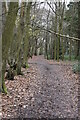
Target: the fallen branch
(66, 36)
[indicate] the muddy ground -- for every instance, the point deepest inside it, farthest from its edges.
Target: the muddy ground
(48, 89)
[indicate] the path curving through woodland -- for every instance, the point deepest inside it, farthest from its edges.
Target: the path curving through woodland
(49, 90)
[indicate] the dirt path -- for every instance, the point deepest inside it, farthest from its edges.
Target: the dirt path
(50, 91)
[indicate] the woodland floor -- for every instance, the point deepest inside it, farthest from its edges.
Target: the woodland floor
(47, 89)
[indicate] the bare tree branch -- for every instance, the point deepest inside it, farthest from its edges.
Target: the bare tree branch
(66, 36)
(52, 8)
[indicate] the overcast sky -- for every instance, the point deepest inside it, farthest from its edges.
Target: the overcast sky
(67, 1)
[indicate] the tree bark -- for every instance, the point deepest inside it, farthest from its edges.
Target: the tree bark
(55, 41)
(7, 38)
(78, 50)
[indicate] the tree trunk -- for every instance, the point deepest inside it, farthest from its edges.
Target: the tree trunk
(3, 87)
(62, 42)
(55, 41)
(27, 36)
(35, 47)
(58, 40)
(70, 48)
(7, 37)
(78, 50)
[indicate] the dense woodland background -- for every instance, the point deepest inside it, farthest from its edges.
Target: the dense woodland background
(45, 28)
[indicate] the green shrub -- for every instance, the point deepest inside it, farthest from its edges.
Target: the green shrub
(76, 68)
(66, 57)
(27, 66)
